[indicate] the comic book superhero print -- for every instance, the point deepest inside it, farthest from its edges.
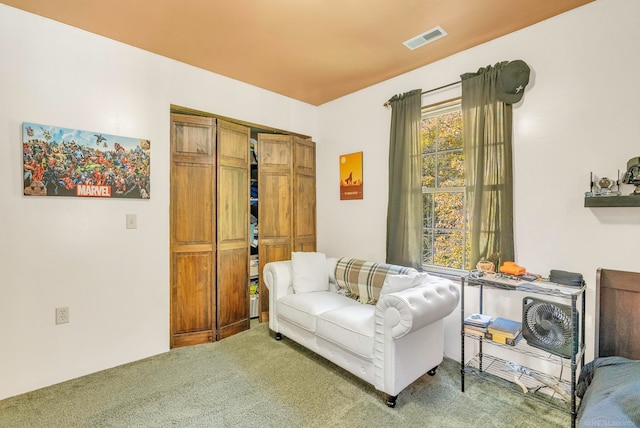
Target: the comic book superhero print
(65, 162)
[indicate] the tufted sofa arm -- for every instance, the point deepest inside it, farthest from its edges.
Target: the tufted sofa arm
(405, 311)
(278, 277)
(408, 337)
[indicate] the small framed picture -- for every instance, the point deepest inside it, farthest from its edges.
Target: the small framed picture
(351, 176)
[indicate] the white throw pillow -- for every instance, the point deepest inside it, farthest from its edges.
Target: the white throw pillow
(310, 272)
(395, 283)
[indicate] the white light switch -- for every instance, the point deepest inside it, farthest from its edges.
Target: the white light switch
(132, 221)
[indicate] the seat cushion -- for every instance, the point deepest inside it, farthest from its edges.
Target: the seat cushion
(350, 327)
(303, 309)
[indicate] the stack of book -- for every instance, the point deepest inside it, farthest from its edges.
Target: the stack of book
(505, 331)
(477, 324)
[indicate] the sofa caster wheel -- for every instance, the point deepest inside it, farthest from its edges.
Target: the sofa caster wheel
(391, 401)
(278, 336)
(432, 372)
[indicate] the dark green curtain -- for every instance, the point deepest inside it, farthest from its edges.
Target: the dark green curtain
(487, 133)
(404, 211)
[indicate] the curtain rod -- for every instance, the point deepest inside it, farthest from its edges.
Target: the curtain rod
(387, 104)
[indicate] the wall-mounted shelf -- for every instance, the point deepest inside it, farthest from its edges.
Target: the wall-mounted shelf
(612, 201)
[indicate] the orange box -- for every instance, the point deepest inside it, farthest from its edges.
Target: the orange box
(512, 268)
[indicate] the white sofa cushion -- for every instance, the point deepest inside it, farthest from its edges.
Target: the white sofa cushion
(303, 309)
(351, 327)
(310, 272)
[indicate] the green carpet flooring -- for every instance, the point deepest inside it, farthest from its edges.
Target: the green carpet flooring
(252, 380)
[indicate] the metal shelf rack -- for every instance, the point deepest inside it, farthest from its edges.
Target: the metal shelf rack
(486, 362)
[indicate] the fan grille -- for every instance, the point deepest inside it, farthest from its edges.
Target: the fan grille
(548, 326)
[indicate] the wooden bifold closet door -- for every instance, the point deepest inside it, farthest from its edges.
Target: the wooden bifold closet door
(192, 230)
(233, 228)
(287, 209)
(209, 222)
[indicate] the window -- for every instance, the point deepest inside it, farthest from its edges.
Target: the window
(445, 227)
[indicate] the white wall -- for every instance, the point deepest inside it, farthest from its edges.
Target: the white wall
(579, 114)
(76, 252)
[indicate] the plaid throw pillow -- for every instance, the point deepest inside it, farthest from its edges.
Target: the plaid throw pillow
(362, 280)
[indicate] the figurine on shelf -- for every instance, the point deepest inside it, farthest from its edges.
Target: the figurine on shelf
(604, 187)
(632, 176)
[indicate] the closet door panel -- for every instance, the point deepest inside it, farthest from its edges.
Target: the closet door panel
(305, 209)
(274, 151)
(192, 231)
(233, 292)
(192, 139)
(273, 251)
(275, 206)
(233, 213)
(233, 228)
(305, 156)
(192, 317)
(234, 147)
(275, 218)
(304, 195)
(190, 209)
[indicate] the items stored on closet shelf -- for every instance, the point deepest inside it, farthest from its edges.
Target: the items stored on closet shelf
(253, 267)
(254, 192)
(253, 298)
(253, 233)
(253, 288)
(254, 150)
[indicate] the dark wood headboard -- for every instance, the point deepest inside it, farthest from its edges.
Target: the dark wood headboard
(617, 314)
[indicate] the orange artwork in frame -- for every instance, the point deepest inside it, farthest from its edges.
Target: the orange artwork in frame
(351, 176)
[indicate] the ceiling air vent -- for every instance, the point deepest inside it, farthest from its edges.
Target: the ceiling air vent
(424, 38)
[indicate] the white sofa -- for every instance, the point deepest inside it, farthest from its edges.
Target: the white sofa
(389, 341)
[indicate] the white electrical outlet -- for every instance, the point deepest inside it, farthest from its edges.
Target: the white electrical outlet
(132, 221)
(62, 315)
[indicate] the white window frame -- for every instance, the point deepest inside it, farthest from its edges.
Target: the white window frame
(433, 111)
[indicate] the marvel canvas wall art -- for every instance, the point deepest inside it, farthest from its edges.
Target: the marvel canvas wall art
(69, 162)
